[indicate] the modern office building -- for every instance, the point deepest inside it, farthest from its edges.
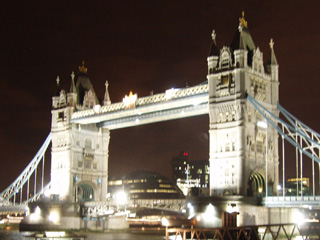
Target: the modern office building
(190, 174)
(145, 185)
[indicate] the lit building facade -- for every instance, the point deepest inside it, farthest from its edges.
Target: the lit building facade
(240, 148)
(294, 185)
(79, 157)
(145, 185)
(190, 174)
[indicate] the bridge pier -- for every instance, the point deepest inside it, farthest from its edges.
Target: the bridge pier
(210, 212)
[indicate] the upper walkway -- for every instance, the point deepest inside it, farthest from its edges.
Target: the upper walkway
(173, 104)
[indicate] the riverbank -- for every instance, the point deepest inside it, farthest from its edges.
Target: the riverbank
(124, 234)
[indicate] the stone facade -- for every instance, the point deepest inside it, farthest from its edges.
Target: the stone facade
(239, 144)
(79, 157)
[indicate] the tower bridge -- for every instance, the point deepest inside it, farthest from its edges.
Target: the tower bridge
(241, 96)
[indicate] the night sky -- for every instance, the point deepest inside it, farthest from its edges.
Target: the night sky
(141, 46)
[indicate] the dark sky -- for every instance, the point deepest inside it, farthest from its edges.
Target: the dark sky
(141, 46)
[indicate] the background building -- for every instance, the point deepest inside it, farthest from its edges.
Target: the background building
(190, 175)
(145, 185)
(293, 187)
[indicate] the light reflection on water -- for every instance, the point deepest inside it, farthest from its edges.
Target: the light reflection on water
(16, 235)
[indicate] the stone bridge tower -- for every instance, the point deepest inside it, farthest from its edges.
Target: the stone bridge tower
(240, 140)
(79, 157)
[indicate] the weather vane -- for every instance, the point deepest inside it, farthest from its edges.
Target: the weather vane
(243, 21)
(82, 68)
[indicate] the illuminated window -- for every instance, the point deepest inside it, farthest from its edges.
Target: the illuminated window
(227, 117)
(137, 191)
(233, 114)
(199, 171)
(227, 147)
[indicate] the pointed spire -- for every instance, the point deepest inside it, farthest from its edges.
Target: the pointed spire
(107, 100)
(242, 40)
(214, 50)
(213, 35)
(57, 89)
(73, 86)
(273, 59)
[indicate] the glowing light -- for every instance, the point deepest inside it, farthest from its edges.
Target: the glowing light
(170, 93)
(54, 217)
(298, 218)
(262, 124)
(55, 234)
(232, 208)
(198, 218)
(260, 190)
(164, 222)
(121, 197)
(36, 216)
(130, 101)
(37, 211)
(47, 193)
(97, 108)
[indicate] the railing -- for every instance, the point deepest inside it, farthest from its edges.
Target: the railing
(274, 231)
(96, 209)
(291, 201)
(153, 99)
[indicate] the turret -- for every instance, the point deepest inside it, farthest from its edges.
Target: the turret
(213, 57)
(55, 98)
(273, 67)
(107, 100)
(72, 95)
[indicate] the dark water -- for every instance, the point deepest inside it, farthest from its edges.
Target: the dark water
(16, 235)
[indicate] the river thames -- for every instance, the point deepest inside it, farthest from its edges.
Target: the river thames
(116, 235)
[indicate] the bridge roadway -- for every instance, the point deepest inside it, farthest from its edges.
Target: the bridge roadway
(173, 104)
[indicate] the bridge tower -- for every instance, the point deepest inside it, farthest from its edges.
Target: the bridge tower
(79, 156)
(240, 139)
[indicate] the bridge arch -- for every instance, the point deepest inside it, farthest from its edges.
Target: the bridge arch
(85, 192)
(256, 184)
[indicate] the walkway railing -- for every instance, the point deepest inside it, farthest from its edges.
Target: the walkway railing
(274, 231)
(291, 201)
